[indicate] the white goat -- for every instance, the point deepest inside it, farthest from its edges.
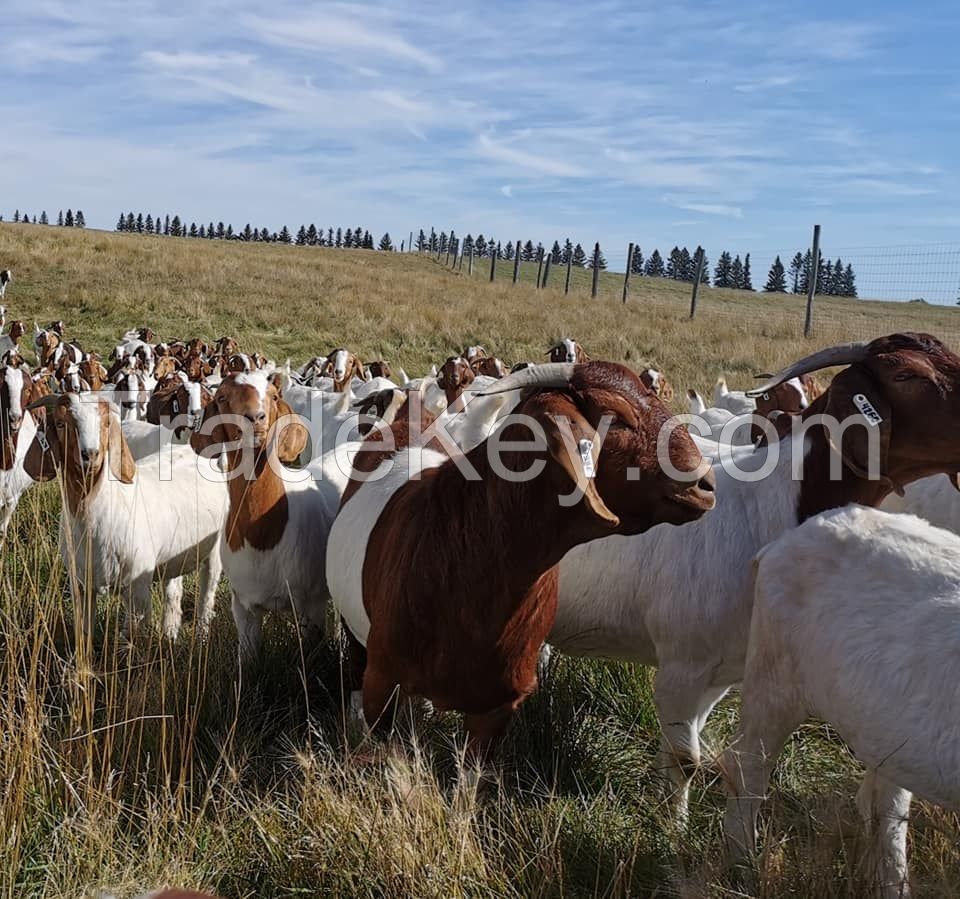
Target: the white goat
(855, 621)
(735, 401)
(125, 524)
(17, 428)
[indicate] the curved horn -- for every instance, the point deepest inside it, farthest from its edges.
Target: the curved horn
(45, 402)
(841, 354)
(551, 374)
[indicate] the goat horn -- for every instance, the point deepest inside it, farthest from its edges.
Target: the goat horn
(551, 374)
(842, 354)
(45, 402)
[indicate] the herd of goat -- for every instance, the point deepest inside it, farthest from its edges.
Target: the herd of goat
(184, 456)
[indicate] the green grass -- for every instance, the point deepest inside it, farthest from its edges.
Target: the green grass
(122, 771)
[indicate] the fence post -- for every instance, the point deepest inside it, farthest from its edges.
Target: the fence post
(539, 266)
(516, 262)
(566, 284)
(626, 277)
(596, 270)
(812, 286)
(493, 263)
(410, 243)
(546, 270)
(401, 246)
(450, 239)
(698, 275)
(470, 262)
(460, 263)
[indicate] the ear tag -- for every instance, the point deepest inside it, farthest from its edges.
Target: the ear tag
(176, 406)
(766, 396)
(42, 440)
(586, 458)
(867, 410)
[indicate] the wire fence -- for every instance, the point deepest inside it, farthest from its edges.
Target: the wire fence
(860, 291)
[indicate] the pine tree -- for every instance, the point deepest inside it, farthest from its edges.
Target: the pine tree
(699, 254)
(636, 263)
(601, 262)
(385, 243)
(131, 222)
(43, 218)
(776, 279)
(443, 243)
(849, 282)
(16, 215)
(221, 231)
(79, 221)
(529, 252)
(121, 222)
(722, 274)
(338, 241)
(284, 236)
(736, 273)
(421, 243)
(68, 219)
(193, 230)
(673, 264)
(264, 235)
(796, 267)
(348, 239)
(203, 232)
(555, 253)
(248, 232)
(579, 257)
(228, 234)
(687, 268)
(567, 251)
(480, 246)
(367, 240)
(139, 223)
(508, 250)
(312, 235)
(836, 282)
(148, 225)
(301, 240)
(747, 280)
(655, 267)
(166, 225)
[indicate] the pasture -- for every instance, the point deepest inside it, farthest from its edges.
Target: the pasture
(125, 770)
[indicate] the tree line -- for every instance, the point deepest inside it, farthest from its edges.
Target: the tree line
(70, 220)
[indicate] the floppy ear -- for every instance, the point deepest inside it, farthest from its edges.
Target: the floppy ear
(41, 463)
(846, 397)
(122, 466)
(572, 444)
(358, 368)
(8, 453)
(666, 390)
(293, 436)
(208, 434)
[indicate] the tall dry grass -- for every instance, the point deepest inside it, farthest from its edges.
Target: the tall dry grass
(123, 769)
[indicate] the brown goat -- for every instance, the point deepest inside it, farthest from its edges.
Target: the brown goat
(489, 366)
(656, 383)
(380, 369)
(343, 366)
(454, 377)
(457, 585)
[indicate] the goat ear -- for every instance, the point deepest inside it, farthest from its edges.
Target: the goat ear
(573, 445)
(122, 466)
(42, 458)
(847, 393)
(292, 436)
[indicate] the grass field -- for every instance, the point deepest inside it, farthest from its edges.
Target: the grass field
(122, 771)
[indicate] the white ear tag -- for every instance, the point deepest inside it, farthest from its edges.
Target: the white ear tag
(586, 458)
(867, 410)
(176, 406)
(42, 440)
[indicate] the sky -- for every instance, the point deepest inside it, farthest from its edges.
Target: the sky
(733, 126)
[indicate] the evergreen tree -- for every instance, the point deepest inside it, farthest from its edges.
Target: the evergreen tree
(443, 243)
(674, 268)
(203, 232)
(567, 251)
(193, 230)
(60, 220)
(148, 225)
(228, 234)
(166, 226)
(264, 235)
(836, 282)
(747, 280)
(636, 264)
(248, 232)
(736, 273)
(385, 243)
(722, 274)
(421, 243)
(176, 229)
(480, 246)
(555, 253)
(597, 259)
(339, 239)
(579, 257)
(16, 215)
(131, 222)
(80, 221)
(367, 240)
(312, 235)
(468, 245)
(139, 223)
(348, 239)
(284, 236)
(529, 252)
(221, 231)
(43, 218)
(301, 240)
(699, 254)
(777, 279)
(655, 267)
(688, 270)
(849, 282)
(68, 219)
(508, 250)
(796, 267)
(121, 222)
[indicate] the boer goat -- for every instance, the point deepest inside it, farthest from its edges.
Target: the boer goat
(567, 350)
(275, 533)
(655, 382)
(691, 617)
(454, 377)
(10, 342)
(343, 366)
(17, 391)
(450, 582)
(6, 276)
(125, 524)
(855, 621)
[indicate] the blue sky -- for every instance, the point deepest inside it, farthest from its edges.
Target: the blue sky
(736, 126)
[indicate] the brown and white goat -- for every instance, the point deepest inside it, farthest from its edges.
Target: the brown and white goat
(17, 428)
(789, 398)
(343, 366)
(454, 376)
(488, 366)
(10, 342)
(655, 382)
(450, 581)
(567, 350)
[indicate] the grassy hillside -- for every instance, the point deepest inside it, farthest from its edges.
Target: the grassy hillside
(126, 770)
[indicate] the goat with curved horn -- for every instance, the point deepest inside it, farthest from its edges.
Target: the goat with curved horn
(550, 374)
(841, 354)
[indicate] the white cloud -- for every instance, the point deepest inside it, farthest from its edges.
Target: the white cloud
(507, 190)
(488, 148)
(721, 209)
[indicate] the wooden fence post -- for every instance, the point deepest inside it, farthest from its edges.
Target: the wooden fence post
(410, 243)
(566, 284)
(470, 262)
(539, 266)
(698, 275)
(812, 286)
(450, 245)
(493, 263)
(626, 277)
(596, 270)
(516, 262)
(546, 270)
